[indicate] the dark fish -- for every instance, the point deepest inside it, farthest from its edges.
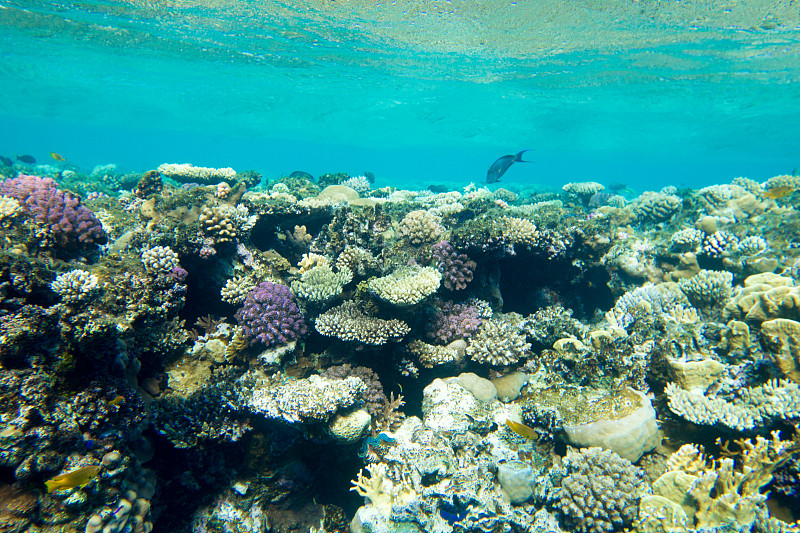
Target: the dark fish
(370, 176)
(500, 166)
(438, 188)
(7, 162)
(27, 159)
(301, 174)
(617, 186)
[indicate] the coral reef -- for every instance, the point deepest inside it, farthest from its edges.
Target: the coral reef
(552, 346)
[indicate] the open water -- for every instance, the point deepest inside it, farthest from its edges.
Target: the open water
(649, 93)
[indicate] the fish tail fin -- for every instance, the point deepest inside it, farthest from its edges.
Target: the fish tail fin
(518, 157)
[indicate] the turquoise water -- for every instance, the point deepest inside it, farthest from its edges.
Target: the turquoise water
(648, 93)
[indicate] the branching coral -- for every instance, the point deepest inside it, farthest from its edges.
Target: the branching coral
(349, 322)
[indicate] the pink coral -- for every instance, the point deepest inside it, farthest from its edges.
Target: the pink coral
(68, 223)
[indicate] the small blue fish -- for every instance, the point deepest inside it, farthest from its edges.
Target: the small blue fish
(500, 166)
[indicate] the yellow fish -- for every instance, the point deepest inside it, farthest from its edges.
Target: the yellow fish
(776, 193)
(522, 430)
(57, 157)
(74, 478)
(116, 402)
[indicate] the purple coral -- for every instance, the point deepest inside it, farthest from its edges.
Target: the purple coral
(270, 316)
(453, 321)
(67, 222)
(456, 268)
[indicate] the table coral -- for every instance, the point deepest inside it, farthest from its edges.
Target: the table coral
(349, 322)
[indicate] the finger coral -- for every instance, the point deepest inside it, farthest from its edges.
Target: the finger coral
(270, 316)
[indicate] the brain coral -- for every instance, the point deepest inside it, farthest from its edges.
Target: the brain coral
(270, 316)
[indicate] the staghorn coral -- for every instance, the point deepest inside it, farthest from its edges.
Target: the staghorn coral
(349, 322)
(600, 492)
(360, 184)
(406, 285)
(498, 342)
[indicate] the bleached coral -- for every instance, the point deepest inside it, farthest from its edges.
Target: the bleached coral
(9, 207)
(406, 286)
(349, 322)
(360, 184)
(720, 243)
(752, 245)
(765, 296)
(187, 173)
(75, 286)
(430, 355)
(313, 399)
(359, 260)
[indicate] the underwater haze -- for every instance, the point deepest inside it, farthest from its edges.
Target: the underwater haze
(649, 93)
